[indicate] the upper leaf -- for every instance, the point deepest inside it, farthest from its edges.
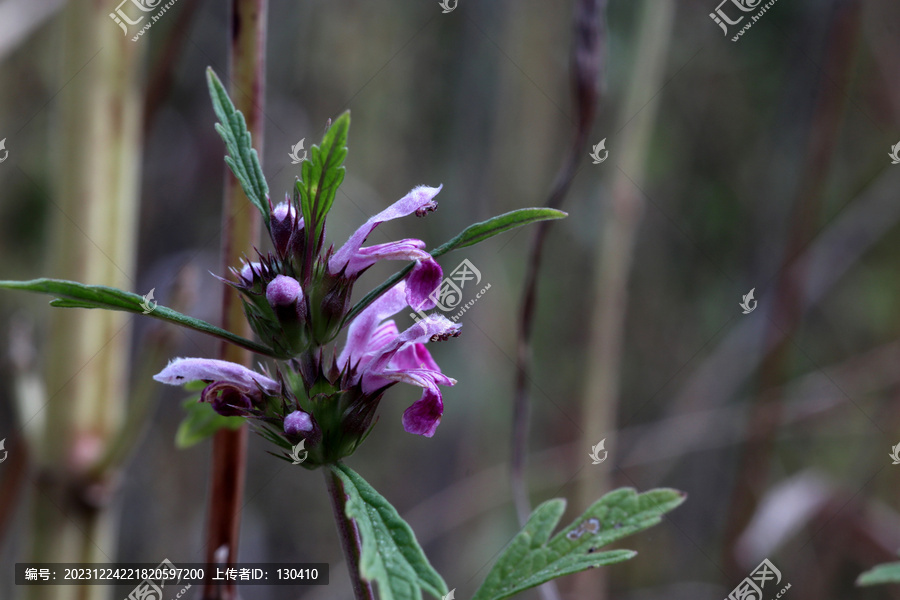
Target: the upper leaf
(391, 556)
(471, 235)
(71, 294)
(322, 174)
(477, 233)
(885, 573)
(242, 158)
(533, 558)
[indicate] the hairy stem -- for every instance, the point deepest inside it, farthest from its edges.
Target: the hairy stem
(241, 226)
(348, 534)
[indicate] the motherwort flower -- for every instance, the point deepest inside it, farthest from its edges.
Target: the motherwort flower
(378, 355)
(297, 300)
(232, 389)
(298, 297)
(333, 408)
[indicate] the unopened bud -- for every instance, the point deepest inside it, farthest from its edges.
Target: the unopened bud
(283, 291)
(298, 423)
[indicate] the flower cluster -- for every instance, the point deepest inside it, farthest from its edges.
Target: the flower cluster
(297, 299)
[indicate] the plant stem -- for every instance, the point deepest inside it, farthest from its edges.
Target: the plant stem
(348, 534)
(764, 418)
(613, 256)
(587, 52)
(241, 224)
(93, 233)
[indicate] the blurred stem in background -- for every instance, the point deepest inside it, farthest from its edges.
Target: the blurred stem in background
(789, 305)
(241, 229)
(93, 239)
(587, 58)
(614, 252)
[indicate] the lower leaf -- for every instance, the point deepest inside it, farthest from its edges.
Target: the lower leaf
(533, 558)
(391, 555)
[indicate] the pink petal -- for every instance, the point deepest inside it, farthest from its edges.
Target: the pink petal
(431, 328)
(424, 416)
(184, 370)
(419, 200)
(364, 258)
(364, 325)
(414, 356)
(422, 282)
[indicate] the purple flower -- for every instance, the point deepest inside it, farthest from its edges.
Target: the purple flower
(377, 354)
(184, 370)
(233, 389)
(352, 258)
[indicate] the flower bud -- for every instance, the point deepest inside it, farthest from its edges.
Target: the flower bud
(285, 295)
(283, 291)
(282, 223)
(226, 399)
(298, 423)
(248, 270)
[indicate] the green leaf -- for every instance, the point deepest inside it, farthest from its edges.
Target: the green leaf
(533, 558)
(471, 235)
(322, 174)
(71, 294)
(391, 556)
(201, 422)
(886, 573)
(242, 158)
(477, 233)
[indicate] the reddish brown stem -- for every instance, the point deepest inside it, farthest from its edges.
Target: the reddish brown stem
(347, 531)
(240, 235)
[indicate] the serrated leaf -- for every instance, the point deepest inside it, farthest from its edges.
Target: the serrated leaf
(533, 558)
(391, 556)
(322, 174)
(885, 573)
(469, 236)
(71, 294)
(200, 422)
(242, 157)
